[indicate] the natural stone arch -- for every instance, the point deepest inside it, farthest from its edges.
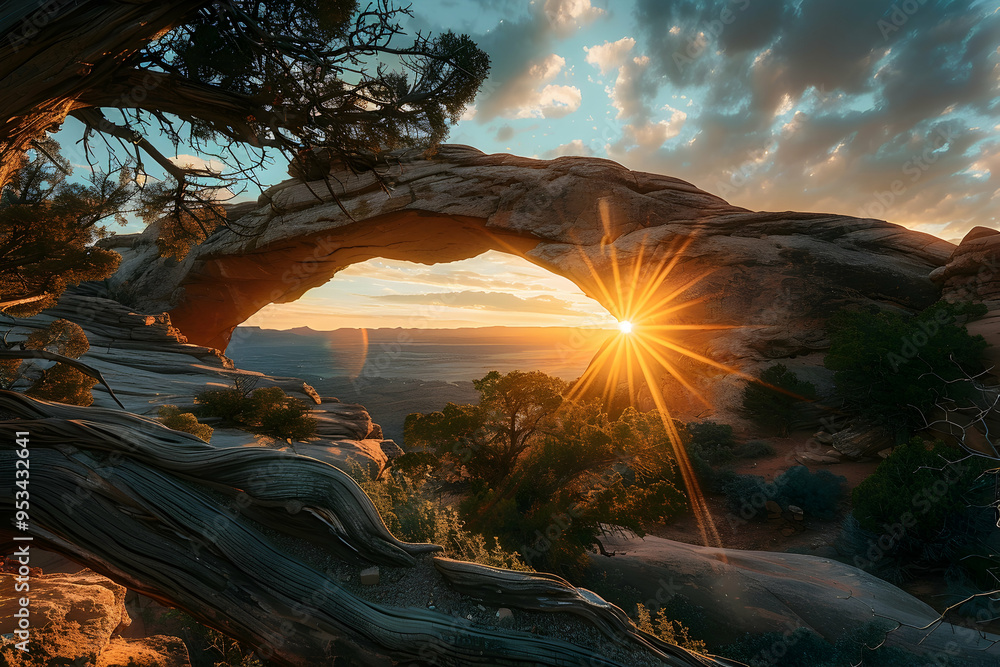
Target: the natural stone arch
(778, 275)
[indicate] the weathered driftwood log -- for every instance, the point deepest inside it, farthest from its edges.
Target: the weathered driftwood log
(267, 547)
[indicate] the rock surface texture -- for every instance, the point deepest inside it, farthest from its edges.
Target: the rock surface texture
(76, 618)
(610, 230)
(149, 363)
(737, 592)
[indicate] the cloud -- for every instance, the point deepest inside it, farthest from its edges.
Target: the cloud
(566, 16)
(523, 63)
(196, 162)
(530, 95)
(505, 133)
(821, 106)
(492, 301)
(450, 276)
(575, 147)
(634, 85)
(610, 55)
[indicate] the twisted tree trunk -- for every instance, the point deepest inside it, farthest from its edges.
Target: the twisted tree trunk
(53, 54)
(266, 546)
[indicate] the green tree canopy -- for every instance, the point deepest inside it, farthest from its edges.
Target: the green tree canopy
(891, 367)
(771, 402)
(48, 227)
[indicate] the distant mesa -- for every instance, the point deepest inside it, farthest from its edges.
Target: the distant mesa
(782, 274)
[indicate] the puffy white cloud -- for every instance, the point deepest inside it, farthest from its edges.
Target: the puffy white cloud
(609, 55)
(530, 95)
(566, 15)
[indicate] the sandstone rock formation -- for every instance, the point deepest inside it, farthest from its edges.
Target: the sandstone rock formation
(973, 274)
(779, 274)
(149, 363)
(78, 616)
(760, 591)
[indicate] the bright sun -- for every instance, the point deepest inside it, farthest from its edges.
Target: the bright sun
(625, 327)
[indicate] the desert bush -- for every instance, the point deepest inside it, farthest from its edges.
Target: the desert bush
(711, 433)
(60, 383)
(267, 411)
(669, 630)
(818, 494)
(224, 404)
(411, 511)
(771, 402)
(755, 449)
(924, 507)
(918, 480)
(890, 367)
(708, 444)
(64, 384)
(171, 417)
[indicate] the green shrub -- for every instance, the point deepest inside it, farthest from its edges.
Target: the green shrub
(916, 481)
(818, 494)
(708, 444)
(225, 404)
(412, 513)
(755, 449)
(771, 402)
(669, 630)
(711, 433)
(267, 411)
(171, 417)
(890, 367)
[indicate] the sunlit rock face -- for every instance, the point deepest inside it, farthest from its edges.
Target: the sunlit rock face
(612, 231)
(76, 617)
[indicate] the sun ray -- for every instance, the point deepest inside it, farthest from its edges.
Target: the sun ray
(702, 358)
(670, 368)
(677, 292)
(661, 272)
(594, 369)
(609, 299)
(703, 517)
(636, 269)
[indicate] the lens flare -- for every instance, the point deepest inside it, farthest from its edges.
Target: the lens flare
(646, 304)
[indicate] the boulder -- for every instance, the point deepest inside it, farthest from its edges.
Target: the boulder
(76, 619)
(861, 440)
(72, 615)
(155, 651)
(737, 592)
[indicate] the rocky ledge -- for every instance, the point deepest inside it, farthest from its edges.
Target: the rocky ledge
(149, 363)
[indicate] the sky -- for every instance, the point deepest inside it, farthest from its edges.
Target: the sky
(868, 108)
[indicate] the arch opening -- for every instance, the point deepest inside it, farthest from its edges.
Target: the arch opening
(453, 321)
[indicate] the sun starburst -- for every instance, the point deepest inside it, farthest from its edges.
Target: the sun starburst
(646, 299)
